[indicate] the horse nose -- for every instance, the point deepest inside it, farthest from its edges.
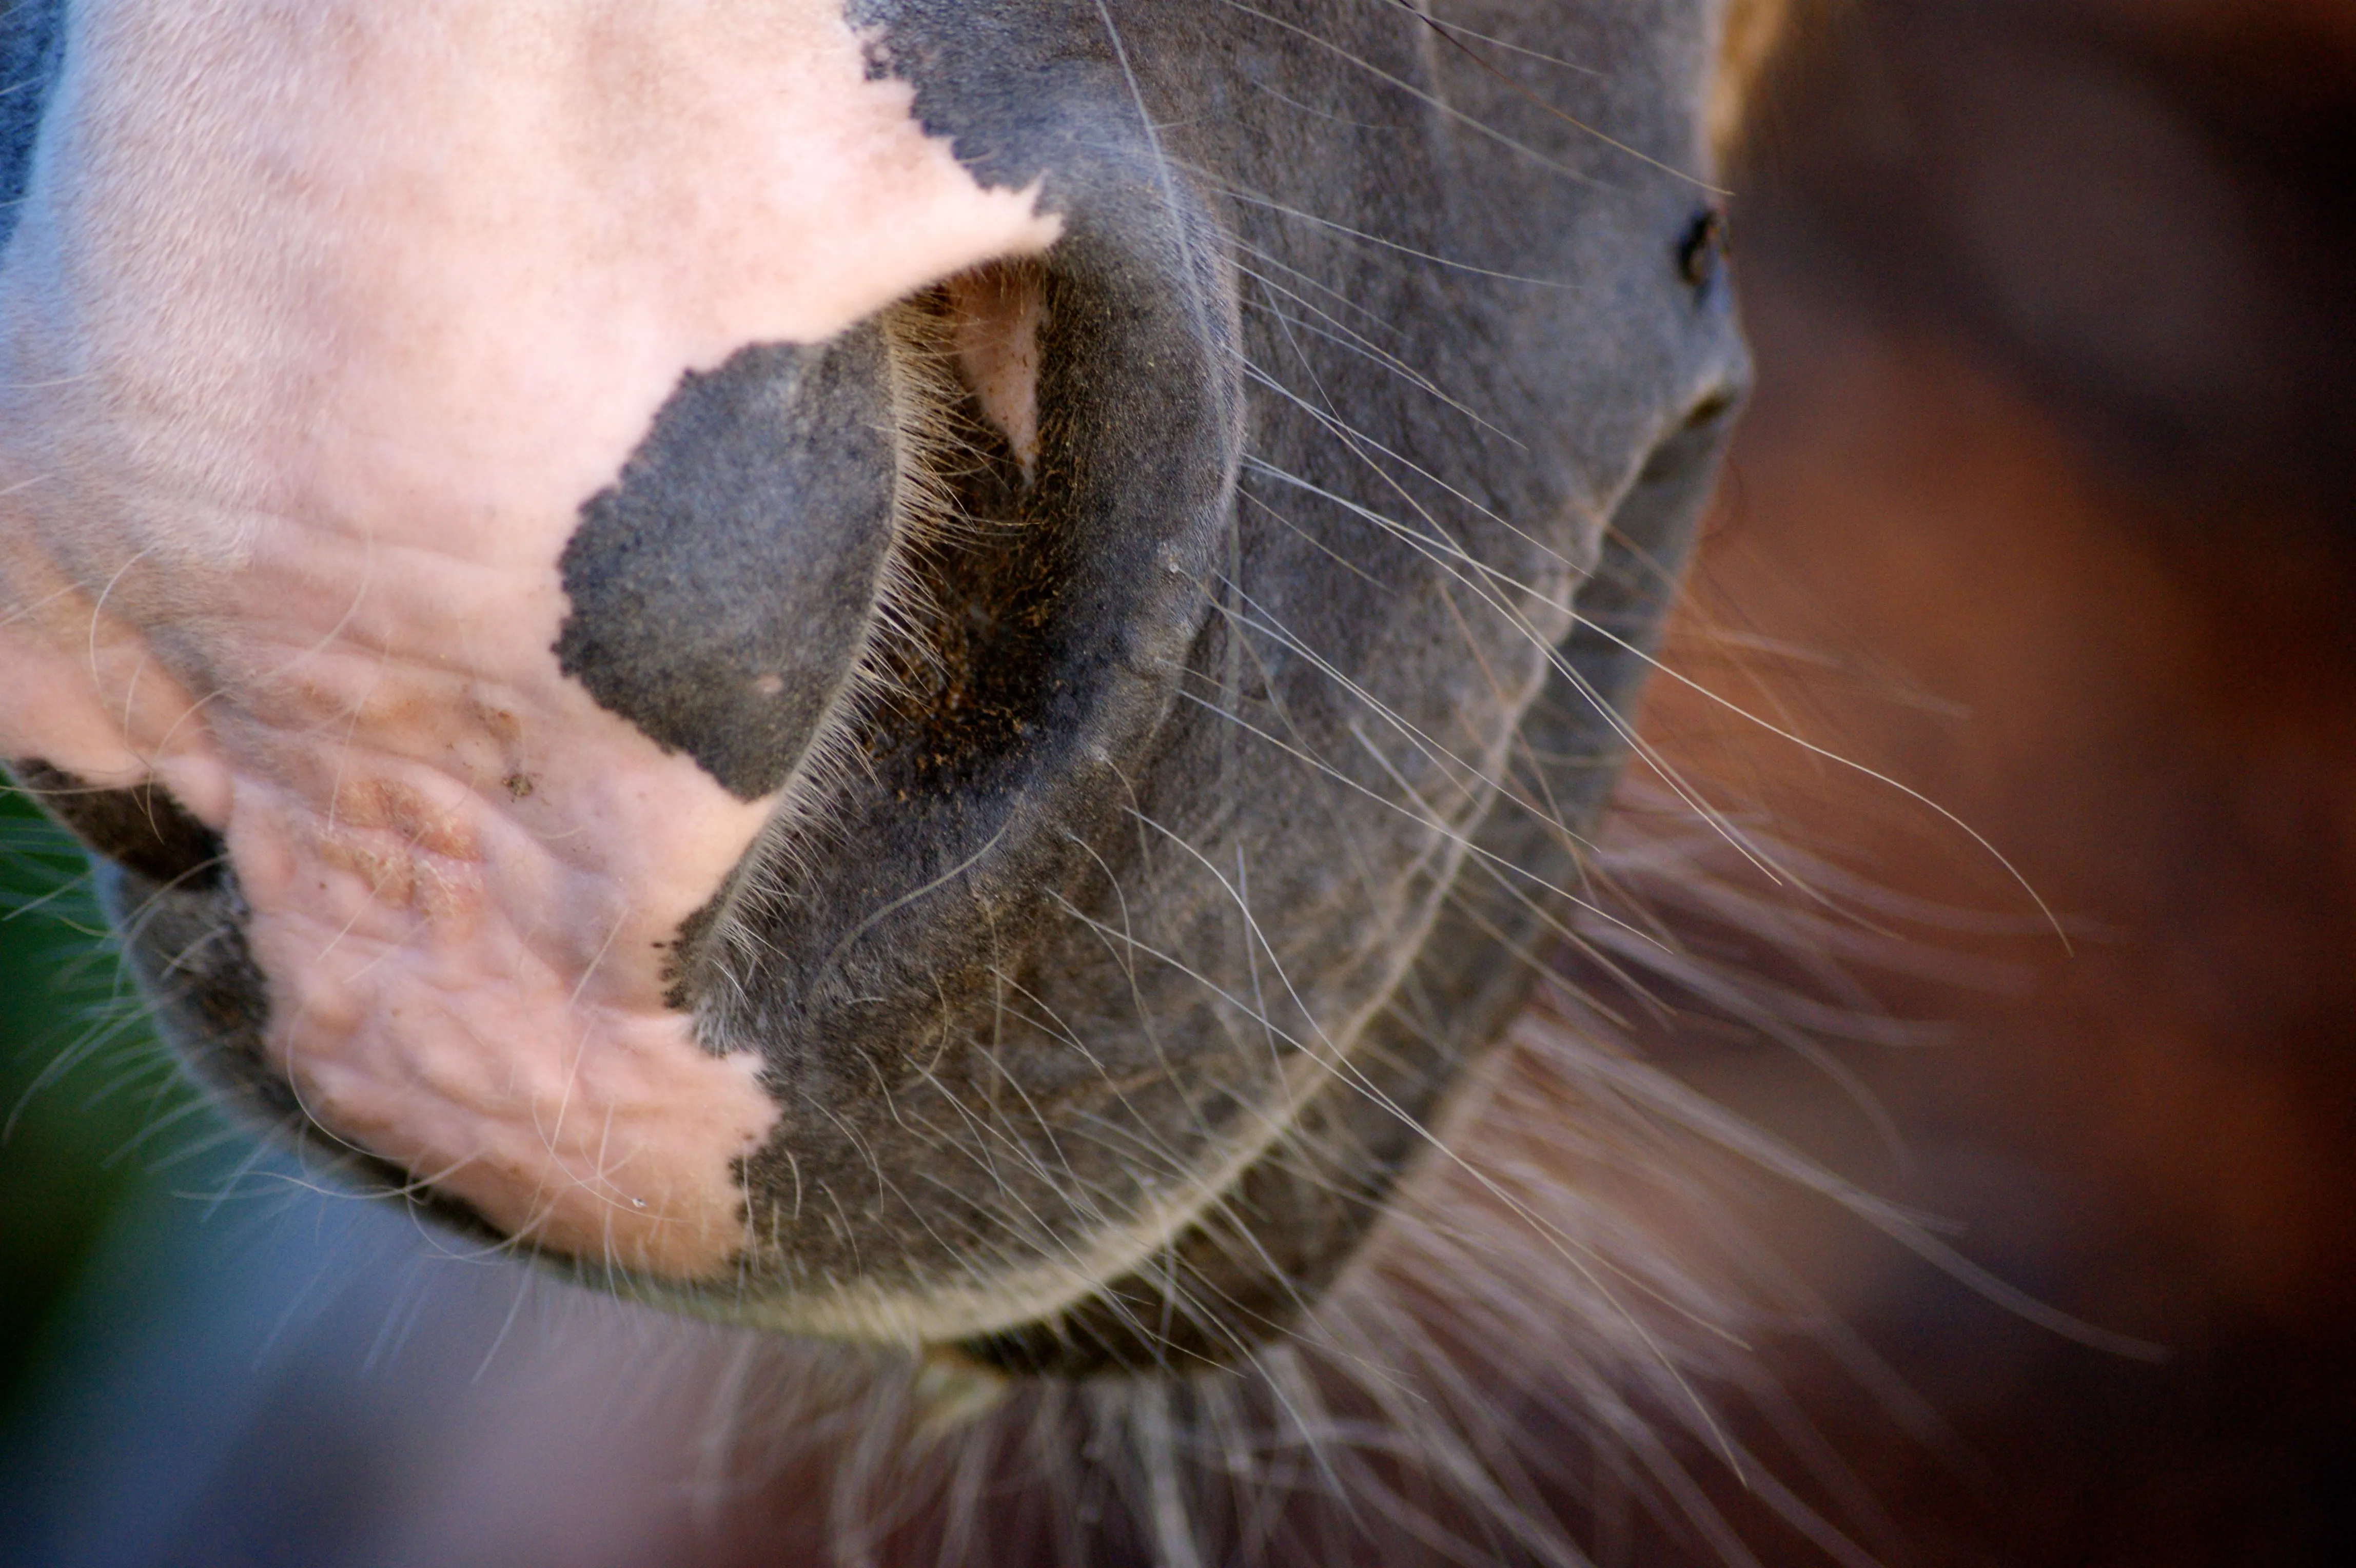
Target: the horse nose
(467, 488)
(523, 518)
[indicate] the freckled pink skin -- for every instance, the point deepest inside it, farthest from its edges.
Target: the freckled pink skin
(322, 320)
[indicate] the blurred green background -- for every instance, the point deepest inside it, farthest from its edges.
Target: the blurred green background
(92, 1115)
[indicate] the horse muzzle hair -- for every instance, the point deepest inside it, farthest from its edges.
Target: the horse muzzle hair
(893, 669)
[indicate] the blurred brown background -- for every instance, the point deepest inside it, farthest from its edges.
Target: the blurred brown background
(2047, 505)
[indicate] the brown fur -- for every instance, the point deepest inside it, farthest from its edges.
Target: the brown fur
(1753, 30)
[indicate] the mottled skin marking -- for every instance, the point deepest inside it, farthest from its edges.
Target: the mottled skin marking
(320, 324)
(385, 473)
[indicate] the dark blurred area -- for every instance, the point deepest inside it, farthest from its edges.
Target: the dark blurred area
(2135, 209)
(78, 1085)
(2047, 506)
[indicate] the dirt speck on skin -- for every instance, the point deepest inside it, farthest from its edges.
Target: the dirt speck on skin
(501, 725)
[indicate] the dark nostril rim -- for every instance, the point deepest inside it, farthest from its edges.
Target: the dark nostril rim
(141, 829)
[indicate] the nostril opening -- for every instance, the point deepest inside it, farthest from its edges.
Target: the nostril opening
(141, 829)
(1035, 639)
(987, 643)
(803, 519)
(968, 678)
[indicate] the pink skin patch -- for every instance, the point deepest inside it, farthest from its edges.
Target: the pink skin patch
(995, 314)
(321, 322)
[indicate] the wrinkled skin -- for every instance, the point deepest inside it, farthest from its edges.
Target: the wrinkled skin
(910, 673)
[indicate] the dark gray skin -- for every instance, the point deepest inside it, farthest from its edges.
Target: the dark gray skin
(1375, 343)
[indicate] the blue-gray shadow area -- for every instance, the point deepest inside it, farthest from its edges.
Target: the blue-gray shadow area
(153, 1392)
(207, 1358)
(289, 1376)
